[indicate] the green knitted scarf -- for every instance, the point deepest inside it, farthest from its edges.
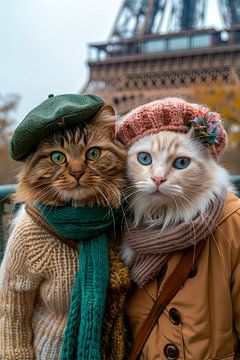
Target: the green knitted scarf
(88, 226)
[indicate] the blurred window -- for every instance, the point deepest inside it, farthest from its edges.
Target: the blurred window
(178, 43)
(200, 40)
(154, 46)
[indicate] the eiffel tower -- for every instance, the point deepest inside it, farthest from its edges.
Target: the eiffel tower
(142, 60)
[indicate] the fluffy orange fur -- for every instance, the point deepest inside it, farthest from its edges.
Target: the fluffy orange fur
(79, 180)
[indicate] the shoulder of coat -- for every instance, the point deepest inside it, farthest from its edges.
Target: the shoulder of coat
(231, 207)
(229, 226)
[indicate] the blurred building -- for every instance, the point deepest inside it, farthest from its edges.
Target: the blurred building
(141, 61)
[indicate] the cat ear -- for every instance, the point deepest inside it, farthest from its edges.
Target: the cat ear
(107, 110)
(106, 117)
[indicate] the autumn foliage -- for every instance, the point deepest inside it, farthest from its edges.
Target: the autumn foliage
(225, 100)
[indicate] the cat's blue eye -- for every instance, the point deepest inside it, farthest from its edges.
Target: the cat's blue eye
(58, 158)
(181, 163)
(93, 153)
(144, 158)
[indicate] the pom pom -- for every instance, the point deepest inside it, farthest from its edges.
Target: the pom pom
(208, 127)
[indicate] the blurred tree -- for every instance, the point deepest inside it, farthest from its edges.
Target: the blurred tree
(8, 104)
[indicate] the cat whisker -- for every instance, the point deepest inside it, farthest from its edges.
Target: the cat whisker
(124, 210)
(110, 207)
(124, 213)
(53, 197)
(135, 196)
(131, 194)
(184, 197)
(190, 218)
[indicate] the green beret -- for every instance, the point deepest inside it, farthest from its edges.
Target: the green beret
(55, 113)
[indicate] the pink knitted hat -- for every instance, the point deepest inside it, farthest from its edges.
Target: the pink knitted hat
(173, 114)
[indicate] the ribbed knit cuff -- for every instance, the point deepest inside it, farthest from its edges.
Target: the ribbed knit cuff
(17, 354)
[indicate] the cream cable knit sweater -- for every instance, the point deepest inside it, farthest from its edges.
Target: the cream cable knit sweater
(36, 278)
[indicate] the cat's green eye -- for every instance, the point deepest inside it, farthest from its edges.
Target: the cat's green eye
(93, 153)
(181, 163)
(144, 158)
(58, 158)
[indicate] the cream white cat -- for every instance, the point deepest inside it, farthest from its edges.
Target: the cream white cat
(184, 227)
(173, 179)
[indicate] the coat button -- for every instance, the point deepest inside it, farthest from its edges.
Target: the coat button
(175, 317)
(193, 271)
(171, 352)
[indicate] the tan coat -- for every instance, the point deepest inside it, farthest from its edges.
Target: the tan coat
(203, 320)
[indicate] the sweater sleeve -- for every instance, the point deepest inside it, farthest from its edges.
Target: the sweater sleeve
(18, 289)
(235, 286)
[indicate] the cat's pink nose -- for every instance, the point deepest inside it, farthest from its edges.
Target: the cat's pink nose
(158, 180)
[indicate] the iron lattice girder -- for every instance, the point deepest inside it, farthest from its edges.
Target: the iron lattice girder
(230, 10)
(137, 17)
(141, 17)
(192, 15)
(186, 15)
(140, 62)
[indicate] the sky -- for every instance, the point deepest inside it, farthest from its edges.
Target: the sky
(44, 45)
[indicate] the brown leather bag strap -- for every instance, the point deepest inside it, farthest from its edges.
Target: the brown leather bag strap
(168, 291)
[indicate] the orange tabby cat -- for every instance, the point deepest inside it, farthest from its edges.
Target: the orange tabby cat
(75, 168)
(79, 166)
